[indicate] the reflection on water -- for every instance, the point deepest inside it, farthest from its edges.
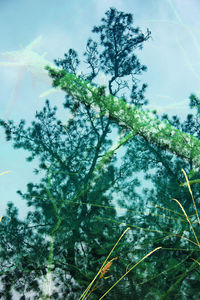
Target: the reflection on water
(98, 217)
(59, 248)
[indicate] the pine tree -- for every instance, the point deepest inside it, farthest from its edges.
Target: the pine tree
(67, 235)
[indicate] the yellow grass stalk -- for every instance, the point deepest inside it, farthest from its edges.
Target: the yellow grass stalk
(129, 271)
(5, 172)
(196, 261)
(188, 221)
(188, 184)
(83, 296)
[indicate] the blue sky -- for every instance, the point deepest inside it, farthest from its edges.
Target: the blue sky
(172, 57)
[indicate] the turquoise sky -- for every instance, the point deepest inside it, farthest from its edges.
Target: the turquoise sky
(172, 57)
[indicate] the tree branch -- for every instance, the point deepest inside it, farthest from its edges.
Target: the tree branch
(144, 123)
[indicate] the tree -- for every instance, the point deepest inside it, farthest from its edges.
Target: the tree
(171, 273)
(66, 236)
(142, 123)
(153, 137)
(75, 222)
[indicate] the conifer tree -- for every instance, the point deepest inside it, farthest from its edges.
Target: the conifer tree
(66, 235)
(75, 223)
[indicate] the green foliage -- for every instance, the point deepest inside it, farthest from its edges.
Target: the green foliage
(77, 185)
(74, 221)
(161, 133)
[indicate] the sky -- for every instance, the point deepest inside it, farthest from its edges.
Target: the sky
(50, 28)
